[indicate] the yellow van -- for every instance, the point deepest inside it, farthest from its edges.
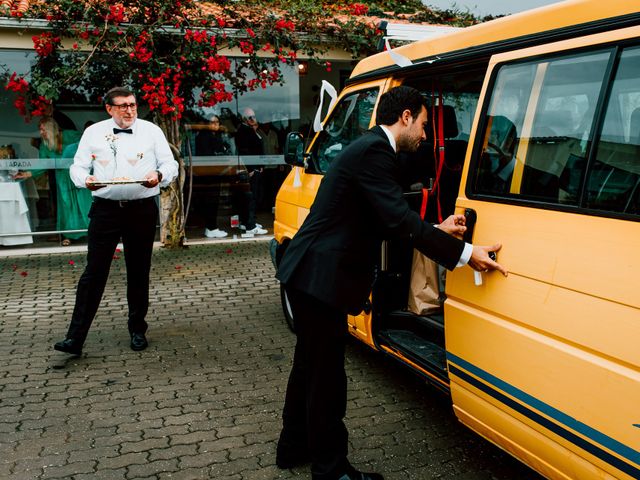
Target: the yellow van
(538, 119)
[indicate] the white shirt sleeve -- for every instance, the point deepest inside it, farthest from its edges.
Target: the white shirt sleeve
(466, 255)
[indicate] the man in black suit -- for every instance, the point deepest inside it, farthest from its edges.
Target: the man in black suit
(328, 271)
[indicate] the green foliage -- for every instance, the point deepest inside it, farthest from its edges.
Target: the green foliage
(169, 49)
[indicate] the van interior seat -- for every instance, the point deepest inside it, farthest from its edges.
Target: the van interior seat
(454, 155)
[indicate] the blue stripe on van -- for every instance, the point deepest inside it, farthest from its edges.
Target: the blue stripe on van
(598, 437)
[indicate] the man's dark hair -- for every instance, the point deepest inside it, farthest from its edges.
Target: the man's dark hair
(396, 101)
(117, 92)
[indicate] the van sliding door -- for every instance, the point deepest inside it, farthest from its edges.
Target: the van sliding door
(546, 363)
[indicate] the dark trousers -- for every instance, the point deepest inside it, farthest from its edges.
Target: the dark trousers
(135, 223)
(246, 198)
(316, 399)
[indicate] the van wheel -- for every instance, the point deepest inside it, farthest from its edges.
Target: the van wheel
(286, 308)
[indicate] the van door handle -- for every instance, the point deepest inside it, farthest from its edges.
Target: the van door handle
(471, 217)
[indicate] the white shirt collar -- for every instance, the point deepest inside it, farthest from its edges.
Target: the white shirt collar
(115, 125)
(392, 140)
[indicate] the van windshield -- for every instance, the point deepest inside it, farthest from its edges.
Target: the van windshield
(350, 119)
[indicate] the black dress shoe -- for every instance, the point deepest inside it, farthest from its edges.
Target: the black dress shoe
(356, 475)
(69, 345)
(138, 341)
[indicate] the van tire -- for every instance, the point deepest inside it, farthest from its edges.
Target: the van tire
(286, 308)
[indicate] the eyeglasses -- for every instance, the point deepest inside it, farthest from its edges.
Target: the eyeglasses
(124, 106)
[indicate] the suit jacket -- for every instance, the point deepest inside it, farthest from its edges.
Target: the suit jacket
(359, 203)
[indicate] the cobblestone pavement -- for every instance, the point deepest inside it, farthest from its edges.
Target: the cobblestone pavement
(204, 400)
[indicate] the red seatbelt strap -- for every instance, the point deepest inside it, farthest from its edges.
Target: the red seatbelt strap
(439, 144)
(425, 199)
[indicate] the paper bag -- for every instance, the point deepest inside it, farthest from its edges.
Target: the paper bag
(424, 289)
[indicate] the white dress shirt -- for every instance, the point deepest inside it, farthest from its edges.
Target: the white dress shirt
(106, 156)
(468, 248)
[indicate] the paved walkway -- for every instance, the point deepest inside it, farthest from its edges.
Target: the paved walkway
(204, 400)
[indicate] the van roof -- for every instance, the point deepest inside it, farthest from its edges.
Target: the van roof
(508, 31)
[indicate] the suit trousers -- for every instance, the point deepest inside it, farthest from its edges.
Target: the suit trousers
(316, 398)
(134, 222)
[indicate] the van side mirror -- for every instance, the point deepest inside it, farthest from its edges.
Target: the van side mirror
(294, 150)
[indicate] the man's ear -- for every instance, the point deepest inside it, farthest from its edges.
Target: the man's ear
(405, 116)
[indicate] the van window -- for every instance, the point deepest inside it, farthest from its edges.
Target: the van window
(539, 127)
(614, 177)
(538, 141)
(350, 119)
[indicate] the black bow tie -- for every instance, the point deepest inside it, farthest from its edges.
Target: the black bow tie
(122, 130)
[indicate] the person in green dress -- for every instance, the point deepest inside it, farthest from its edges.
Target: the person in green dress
(73, 204)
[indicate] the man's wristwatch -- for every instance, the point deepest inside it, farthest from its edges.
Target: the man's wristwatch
(159, 173)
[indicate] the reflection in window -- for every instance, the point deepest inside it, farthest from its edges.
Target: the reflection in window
(350, 119)
(614, 177)
(539, 128)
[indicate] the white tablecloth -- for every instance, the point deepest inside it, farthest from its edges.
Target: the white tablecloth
(14, 214)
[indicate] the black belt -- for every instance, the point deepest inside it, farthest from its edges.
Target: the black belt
(123, 203)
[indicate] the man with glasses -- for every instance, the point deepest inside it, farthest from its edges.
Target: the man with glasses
(123, 161)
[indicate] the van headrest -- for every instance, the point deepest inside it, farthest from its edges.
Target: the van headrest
(450, 123)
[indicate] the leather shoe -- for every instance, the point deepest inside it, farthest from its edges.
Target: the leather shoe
(350, 474)
(356, 475)
(69, 345)
(138, 341)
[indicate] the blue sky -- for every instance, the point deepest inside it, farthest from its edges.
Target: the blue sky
(490, 7)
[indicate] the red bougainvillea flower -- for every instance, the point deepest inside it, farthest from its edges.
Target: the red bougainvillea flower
(45, 43)
(358, 9)
(116, 14)
(40, 106)
(24, 274)
(71, 262)
(285, 25)
(140, 50)
(178, 267)
(246, 47)
(17, 84)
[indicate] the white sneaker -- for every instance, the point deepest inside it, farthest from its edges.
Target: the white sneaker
(257, 231)
(217, 233)
(244, 227)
